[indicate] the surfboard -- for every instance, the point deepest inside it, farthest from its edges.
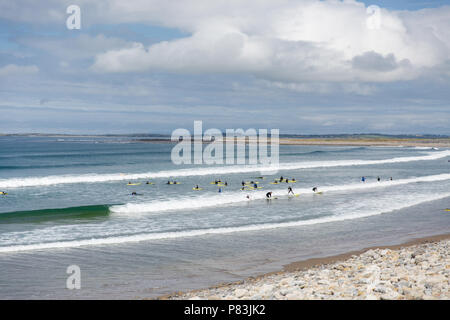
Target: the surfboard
(274, 183)
(197, 188)
(320, 192)
(447, 210)
(133, 184)
(3, 193)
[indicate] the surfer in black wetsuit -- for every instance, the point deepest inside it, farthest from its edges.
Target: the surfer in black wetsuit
(378, 179)
(290, 190)
(243, 183)
(269, 195)
(314, 189)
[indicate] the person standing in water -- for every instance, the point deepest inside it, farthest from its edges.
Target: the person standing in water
(363, 179)
(314, 189)
(269, 195)
(378, 179)
(290, 191)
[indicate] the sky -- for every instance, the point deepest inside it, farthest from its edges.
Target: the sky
(300, 66)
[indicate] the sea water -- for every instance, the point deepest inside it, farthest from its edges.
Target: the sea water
(69, 203)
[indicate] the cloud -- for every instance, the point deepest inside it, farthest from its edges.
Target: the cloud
(74, 48)
(373, 61)
(15, 70)
(292, 41)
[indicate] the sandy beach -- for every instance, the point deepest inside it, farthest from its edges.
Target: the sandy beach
(386, 142)
(418, 269)
(434, 143)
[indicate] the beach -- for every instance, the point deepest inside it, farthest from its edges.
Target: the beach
(418, 269)
(85, 201)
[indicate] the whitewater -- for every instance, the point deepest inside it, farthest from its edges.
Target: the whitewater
(97, 178)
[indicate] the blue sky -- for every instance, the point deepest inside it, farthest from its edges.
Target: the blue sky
(303, 66)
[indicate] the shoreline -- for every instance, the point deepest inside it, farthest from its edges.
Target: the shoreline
(431, 143)
(300, 266)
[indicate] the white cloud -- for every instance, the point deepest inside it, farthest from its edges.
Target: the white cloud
(15, 70)
(292, 41)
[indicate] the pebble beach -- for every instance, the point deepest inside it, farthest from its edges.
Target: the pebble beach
(411, 272)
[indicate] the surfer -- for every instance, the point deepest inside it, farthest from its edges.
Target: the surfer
(3, 193)
(281, 179)
(269, 195)
(290, 190)
(363, 179)
(390, 178)
(168, 182)
(226, 184)
(255, 186)
(243, 183)
(147, 182)
(314, 189)
(220, 190)
(378, 179)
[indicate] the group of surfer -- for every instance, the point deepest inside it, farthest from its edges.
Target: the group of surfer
(290, 192)
(363, 179)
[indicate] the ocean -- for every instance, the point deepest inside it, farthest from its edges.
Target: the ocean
(68, 202)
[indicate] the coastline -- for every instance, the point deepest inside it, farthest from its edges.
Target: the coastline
(432, 143)
(340, 262)
(382, 142)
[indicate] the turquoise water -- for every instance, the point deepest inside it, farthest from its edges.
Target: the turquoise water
(68, 202)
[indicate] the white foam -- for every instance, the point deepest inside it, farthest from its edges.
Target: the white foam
(205, 201)
(96, 178)
(200, 232)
